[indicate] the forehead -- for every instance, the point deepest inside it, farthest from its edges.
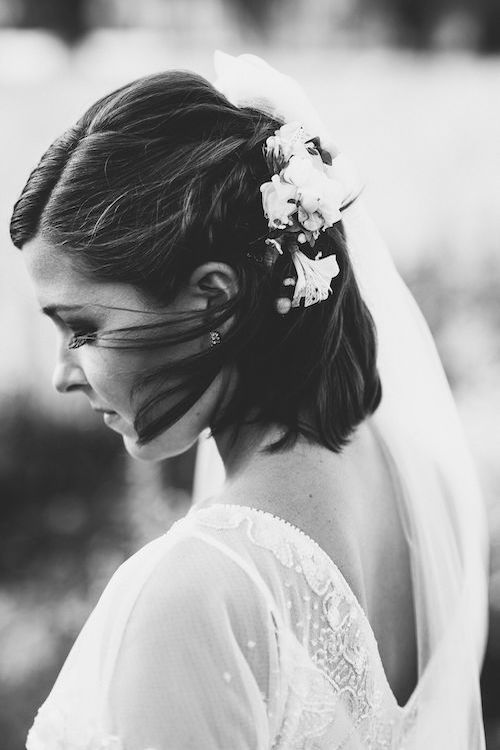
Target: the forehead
(58, 281)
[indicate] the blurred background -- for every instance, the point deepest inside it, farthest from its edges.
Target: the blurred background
(411, 89)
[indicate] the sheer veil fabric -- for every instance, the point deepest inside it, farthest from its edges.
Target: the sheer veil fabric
(418, 425)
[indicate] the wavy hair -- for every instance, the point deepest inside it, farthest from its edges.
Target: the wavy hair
(161, 176)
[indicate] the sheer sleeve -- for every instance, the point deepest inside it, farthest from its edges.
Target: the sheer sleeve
(198, 663)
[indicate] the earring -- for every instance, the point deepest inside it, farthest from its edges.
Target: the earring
(215, 338)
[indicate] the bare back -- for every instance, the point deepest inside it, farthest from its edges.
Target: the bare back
(348, 504)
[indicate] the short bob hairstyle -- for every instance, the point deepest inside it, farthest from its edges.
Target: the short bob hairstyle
(161, 176)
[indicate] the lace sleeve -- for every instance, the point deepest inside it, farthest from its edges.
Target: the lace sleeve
(198, 666)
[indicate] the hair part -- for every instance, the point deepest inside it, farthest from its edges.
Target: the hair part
(161, 176)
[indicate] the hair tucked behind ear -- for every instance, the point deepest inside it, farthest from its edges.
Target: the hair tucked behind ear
(155, 179)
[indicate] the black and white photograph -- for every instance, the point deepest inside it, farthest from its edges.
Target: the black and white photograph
(250, 375)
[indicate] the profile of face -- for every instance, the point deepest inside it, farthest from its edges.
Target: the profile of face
(79, 305)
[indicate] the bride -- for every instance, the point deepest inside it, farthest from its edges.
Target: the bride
(206, 257)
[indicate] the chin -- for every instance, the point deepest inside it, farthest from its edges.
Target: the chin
(156, 450)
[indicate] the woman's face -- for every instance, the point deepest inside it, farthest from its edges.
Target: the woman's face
(104, 375)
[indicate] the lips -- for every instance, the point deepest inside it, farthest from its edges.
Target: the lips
(112, 419)
(103, 411)
(110, 416)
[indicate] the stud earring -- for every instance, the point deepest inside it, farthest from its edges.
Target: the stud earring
(215, 338)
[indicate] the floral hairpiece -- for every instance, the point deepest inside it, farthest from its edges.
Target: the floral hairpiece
(303, 199)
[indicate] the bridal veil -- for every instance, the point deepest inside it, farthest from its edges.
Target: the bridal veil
(417, 421)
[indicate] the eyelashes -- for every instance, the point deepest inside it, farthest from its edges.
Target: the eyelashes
(82, 332)
(80, 339)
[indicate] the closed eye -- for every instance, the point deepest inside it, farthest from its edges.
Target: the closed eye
(83, 332)
(80, 338)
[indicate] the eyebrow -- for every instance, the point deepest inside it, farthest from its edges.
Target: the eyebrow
(53, 310)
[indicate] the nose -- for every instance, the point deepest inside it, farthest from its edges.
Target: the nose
(68, 375)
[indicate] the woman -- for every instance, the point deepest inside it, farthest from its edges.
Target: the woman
(206, 258)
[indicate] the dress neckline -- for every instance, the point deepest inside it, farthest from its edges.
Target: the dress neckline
(302, 534)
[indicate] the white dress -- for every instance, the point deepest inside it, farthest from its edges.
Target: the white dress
(233, 631)
(236, 631)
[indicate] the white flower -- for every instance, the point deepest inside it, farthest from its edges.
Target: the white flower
(286, 142)
(314, 278)
(309, 197)
(300, 171)
(313, 222)
(291, 137)
(330, 202)
(319, 197)
(278, 200)
(304, 185)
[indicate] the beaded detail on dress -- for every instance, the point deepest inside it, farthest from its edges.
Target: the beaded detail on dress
(340, 672)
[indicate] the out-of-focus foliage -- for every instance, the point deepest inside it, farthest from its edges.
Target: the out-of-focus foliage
(58, 484)
(455, 307)
(62, 488)
(419, 24)
(256, 12)
(68, 18)
(489, 15)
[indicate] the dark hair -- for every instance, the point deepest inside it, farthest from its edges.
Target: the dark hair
(157, 178)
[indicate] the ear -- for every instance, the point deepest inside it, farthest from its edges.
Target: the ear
(212, 282)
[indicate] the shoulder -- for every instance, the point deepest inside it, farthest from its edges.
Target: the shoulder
(290, 527)
(197, 580)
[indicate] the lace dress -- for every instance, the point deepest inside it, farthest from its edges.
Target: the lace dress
(233, 631)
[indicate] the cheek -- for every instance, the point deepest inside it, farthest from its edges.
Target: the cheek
(111, 375)
(182, 435)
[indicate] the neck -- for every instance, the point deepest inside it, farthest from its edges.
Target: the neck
(271, 480)
(241, 449)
